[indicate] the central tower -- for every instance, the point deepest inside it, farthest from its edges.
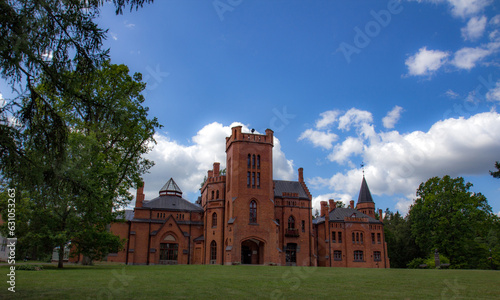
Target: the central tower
(251, 232)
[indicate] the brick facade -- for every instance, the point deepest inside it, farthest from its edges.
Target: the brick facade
(243, 216)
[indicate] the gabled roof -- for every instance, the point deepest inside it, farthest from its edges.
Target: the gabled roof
(171, 188)
(283, 186)
(339, 213)
(364, 192)
(170, 202)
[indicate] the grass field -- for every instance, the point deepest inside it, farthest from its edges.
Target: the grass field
(248, 282)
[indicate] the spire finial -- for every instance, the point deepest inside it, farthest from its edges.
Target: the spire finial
(363, 168)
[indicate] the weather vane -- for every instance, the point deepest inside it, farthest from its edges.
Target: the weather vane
(363, 168)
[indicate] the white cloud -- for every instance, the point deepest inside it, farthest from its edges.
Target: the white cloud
(188, 164)
(3, 102)
(319, 138)
(474, 28)
(397, 163)
(354, 117)
(425, 62)
(494, 93)
(316, 200)
(114, 36)
(327, 118)
(467, 58)
(465, 8)
(392, 117)
(342, 152)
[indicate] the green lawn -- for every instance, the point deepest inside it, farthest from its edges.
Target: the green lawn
(248, 282)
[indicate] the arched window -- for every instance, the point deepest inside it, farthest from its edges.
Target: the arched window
(213, 252)
(291, 222)
(212, 195)
(217, 194)
(253, 160)
(248, 160)
(258, 161)
(253, 212)
(214, 220)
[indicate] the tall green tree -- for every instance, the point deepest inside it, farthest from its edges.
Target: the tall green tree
(449, 217)
(401, 245)
(46, 39)
(102, 159)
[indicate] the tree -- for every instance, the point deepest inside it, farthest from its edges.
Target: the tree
(448, 217)
(46, 39)
(496, 174)
(100, 161)
(401, 246)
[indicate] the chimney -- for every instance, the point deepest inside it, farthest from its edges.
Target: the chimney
(139, 198)
(380, 215)
(301, 174)
(351, 204)
(210, 173)
(216, 169)
(324, 208)
(333, 204)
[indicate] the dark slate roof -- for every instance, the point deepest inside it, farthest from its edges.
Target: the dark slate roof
(338, 215)
(364, 193)
(200, 238)
(171, 186)
(282, 186)
(127, 214)
(170, 202)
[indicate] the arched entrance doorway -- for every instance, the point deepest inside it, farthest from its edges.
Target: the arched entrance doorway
(252, 252)
(291, 254)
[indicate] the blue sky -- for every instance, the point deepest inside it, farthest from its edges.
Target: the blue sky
(410, 88)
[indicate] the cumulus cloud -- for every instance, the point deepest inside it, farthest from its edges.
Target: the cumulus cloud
(343, 151)
(327, 118)
(188, 164)
(397, 163)
(425, 62)
(467, 58)
(474, 28)
(319, 138)
(354, 117)
(392, 117)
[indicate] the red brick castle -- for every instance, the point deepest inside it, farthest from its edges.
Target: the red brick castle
(245, 217)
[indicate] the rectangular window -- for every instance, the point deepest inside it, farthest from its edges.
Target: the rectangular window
(303, 226)
(373, 238)
(258, 179)
(340, 237)
(334, 240)
(377, 256)
(358, 255)
(253, 179)
(248, 179)
(337, 255)
(378, 238)
(168, 251)
(353, 238)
